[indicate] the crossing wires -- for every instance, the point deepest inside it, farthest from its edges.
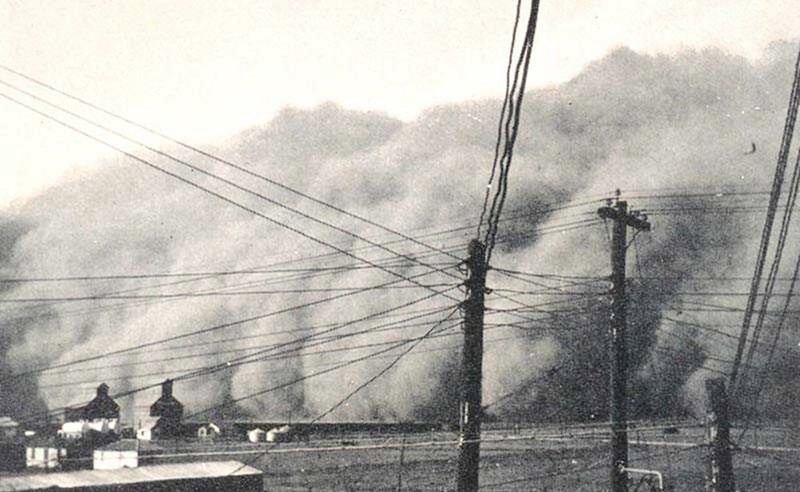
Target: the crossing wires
(777, 184)
(508, 127)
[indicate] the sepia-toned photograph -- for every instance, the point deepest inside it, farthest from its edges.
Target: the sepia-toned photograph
(386, 245)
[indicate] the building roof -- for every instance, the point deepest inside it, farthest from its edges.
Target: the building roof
(74, 426)
(121, 445)
(102, 406)
(42, 441)
(104, 478)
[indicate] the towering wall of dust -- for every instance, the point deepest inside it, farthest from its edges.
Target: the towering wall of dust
(628, 121)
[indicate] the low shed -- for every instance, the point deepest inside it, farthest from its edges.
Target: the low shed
(44, 455)
(120, 454)
(215, 476)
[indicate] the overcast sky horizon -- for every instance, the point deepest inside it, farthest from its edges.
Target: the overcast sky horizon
(201, 71)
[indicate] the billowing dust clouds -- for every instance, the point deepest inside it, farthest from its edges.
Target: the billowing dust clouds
(658, 128)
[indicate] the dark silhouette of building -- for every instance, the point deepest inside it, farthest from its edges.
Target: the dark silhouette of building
(102, 406)
(169, 409)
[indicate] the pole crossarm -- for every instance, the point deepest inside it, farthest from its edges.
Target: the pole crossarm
(631, 219)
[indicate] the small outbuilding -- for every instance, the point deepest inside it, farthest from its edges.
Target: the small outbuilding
(147, 430)
(280, 434)
(209, 431)
(44, 455)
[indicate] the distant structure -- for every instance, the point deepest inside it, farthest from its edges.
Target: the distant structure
(257, 435)
(97, 422)
(210, 431)
(43, 453)
(102, 406)
(169, 410)
(148, 429)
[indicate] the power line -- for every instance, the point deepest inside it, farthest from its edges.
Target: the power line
(391, 326)
(540, 230)
(506, 102)
(213, 176)
(524, 386)
(213, 193)
(712, 330)
(511, 129)
(782, 237)
(786, 140)
(380, 373)
(201, 331)
(230, 364)
(207, 190)
(306, 290)
(216, 158)
(298, 379)
(287, 354)
(290, 354)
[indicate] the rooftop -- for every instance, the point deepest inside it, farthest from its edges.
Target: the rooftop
(101, 478)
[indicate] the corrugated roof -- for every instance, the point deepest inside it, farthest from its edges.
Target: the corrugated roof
(85, 478)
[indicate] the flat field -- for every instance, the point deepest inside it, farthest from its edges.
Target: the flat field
(527, 459)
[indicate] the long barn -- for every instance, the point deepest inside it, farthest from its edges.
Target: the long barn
(221, 476)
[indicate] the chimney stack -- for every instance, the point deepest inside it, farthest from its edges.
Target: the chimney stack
(166, 388)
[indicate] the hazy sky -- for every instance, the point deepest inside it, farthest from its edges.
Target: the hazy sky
(200, 70)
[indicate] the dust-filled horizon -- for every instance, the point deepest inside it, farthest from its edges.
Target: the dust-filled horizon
(690, 138)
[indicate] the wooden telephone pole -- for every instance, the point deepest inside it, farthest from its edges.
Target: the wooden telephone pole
(719, 467)
(622, 219)
(471, 411)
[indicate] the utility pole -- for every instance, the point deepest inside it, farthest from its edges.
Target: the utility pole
(618, 213)
(471, 411)
(402, 465)
(719, 468)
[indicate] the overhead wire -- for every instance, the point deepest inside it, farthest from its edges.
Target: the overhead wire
(301, 378)
(235, 362)
(511, 129)
(207, 190)
(310, 342)
(290, 354)
(503, 108)
(777, 183)
(209, 329)
(774, 267)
